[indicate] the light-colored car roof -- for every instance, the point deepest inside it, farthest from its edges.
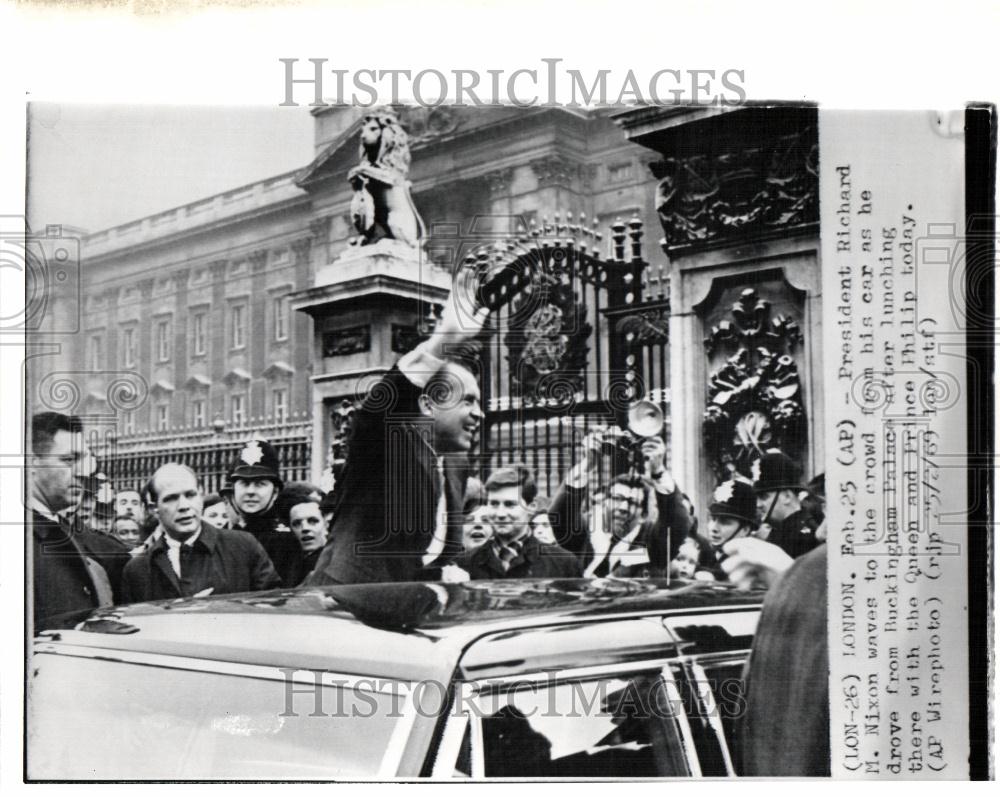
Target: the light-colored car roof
(405, 631)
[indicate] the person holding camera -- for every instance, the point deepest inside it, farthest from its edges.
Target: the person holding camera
(631, 527)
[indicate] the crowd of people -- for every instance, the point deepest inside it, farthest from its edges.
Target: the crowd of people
(406, 508)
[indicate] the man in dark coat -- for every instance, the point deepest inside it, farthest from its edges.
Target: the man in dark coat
(620, 536)
(398, 515)
(73, 569)
(786, 726)
(784, 522)
(192, 558)
(256, 483)
(514, 551)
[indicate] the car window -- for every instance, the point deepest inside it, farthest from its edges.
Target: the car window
(620, 726)
(713, 632)
(721, 702)
(100, 719)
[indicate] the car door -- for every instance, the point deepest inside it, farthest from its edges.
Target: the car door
(712, 650)
(583, 700)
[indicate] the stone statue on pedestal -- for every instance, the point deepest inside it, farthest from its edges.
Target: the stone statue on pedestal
(382, 206)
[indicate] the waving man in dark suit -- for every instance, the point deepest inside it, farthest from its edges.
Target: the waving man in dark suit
(398, 513)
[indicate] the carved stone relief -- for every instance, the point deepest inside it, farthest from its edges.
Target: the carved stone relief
(704, 198)
(755, 398)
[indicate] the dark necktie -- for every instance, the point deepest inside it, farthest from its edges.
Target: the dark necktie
(508, 553)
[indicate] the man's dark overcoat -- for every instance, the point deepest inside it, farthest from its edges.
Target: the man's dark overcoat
(387, 503)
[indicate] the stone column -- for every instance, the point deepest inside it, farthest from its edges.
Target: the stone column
(498, 184)
(738, 202)
(358, 305)
(558, 182)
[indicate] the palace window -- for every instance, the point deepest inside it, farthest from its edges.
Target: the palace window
(162, 417)
(163, 340)
(237, 409)
(198, 412)
(281, 318)
(239, 325)
(130, 345)
(95, 356)
(279, 402)
(198, 336)
(128, 422)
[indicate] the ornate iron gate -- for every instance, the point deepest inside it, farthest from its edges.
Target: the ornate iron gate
(577, 336)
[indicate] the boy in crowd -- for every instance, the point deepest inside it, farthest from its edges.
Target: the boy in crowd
(300, 507)
(513, 551)
(215, 512)
(126, 530)
(478, 527)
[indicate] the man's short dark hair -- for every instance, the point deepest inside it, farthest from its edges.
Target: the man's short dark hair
(467, 355)
(294, 494)
(150, 488)
(44, 426)
(629, 480)
(516, 475)
(635, 484)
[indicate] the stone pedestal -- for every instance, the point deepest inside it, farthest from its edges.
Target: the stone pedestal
(368, 306)
(738, 202)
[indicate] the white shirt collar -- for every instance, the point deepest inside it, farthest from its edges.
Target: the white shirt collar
(174, 549)
(174, 543)
(44, 511)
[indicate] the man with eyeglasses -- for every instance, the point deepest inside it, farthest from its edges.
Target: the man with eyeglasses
(632, 527)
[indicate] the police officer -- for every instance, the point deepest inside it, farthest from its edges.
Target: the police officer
(731, 515)
(255, 483)
(103, 516)
(784, 522)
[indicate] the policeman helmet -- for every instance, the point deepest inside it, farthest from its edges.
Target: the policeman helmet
(258, 459)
